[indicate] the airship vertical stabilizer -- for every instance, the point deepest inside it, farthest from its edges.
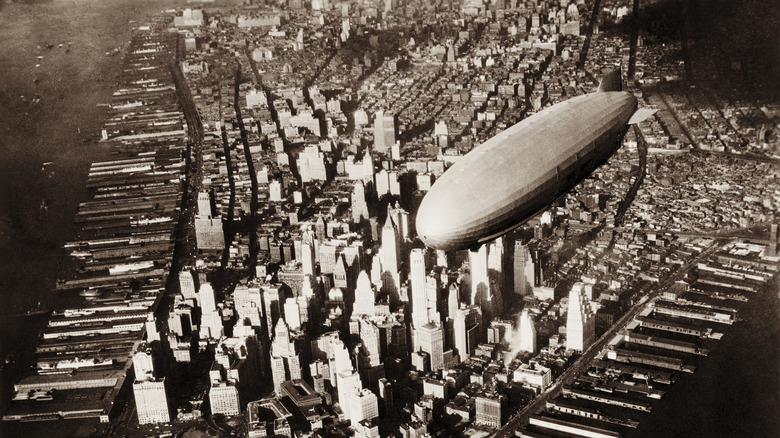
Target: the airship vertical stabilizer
(611, 81)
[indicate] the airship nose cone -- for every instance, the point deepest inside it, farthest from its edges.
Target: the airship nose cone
(435, 221)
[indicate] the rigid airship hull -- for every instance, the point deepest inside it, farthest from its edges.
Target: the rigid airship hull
(513, 176)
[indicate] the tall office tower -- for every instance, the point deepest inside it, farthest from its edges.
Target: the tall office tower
(151, 328)
(223, 398)
(527, 332)
(151, 401)
(376, 270)
(538, 272)
(348, 383)
(432, 298)
(467, 330)
(339, 360)
(187, 284)
(459, 335)
(390, 258)
(523, 269)
(453, 300)
(285, 361)
(311, 165)
(292, 314)
(441, 258)
(303, 307)
(496, 255)
(381, 183)
(307, 258)
(359, 206)
(580, 322)
(363, 405)
(329, 347)
(401, 221)
(150, 397)
(143, 365)
(340, 273)
(384, 131)
(248, 303)
(772, 249)
(417, 280)
(370, 337)
(206, 298)
(480, 283)
(210, 320)
(389, 251)
(272, 296)
(365, 298)
(430, 339)
(395, 185)
(307, 289)
(320, 229)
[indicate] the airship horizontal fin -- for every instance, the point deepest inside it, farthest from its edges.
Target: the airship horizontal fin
(611, 82)
(641, 115)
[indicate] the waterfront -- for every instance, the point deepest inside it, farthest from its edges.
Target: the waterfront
(59, 129)
(734, 391)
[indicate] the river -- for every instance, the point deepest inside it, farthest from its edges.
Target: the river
(735, 391)
(54, 72)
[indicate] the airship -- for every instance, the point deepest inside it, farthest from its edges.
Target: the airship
(515, 175)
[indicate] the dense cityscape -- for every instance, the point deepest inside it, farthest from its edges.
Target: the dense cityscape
(247, 262)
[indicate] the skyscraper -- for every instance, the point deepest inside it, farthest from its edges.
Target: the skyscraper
(459, 336)
(307, 258)
(523, 269)
(223, 398)
(384, 131)
(390, 258)
(363, 405)
(187, 284)
(348, 384)
(417, 280)
(365, 298)
(359, 206)
(430, 339)
(340, 273)
(527, 332)
(210, 320)
(480, 283)
(389, 251)
(151, 401)
(285, 362)
(432, 298)
(580, 321)
(401, 221)
(292, 315)
(453, 300)
(206, 298)
(149, 392)
(370, 338)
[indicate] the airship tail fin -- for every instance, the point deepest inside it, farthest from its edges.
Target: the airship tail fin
(641, 114)
(611, 82)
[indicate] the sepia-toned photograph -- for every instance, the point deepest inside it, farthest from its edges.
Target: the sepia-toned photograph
(389, 218)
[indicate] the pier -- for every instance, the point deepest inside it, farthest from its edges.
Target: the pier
(666, 344)
(635, 371)
(677, 327)
(606, 399)
(670, 363)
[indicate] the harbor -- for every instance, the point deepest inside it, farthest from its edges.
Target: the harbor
(673, 335)
(123, 249)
